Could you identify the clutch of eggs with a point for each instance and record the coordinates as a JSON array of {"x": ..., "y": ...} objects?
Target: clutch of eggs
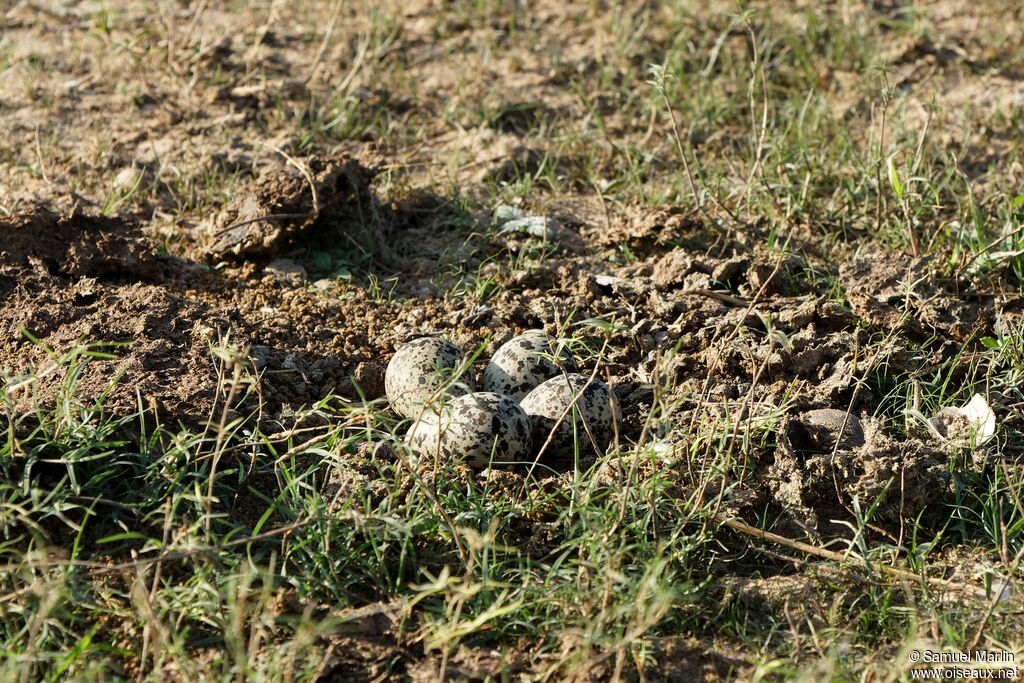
[{"x": 533, "y": 397}]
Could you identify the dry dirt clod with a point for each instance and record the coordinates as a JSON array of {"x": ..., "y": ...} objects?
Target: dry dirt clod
[
  {"x": 79, "y": 244},
  {"x": 282, "y": 203},
  {"x": 287, "y": 272},
  {"x": 369, "y": 376},
  {"x": 902, "y": 478},
  {"x": 819, "y": 430}
]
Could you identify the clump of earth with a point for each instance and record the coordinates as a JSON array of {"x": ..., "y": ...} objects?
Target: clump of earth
[{"x": 828, "y": 459}]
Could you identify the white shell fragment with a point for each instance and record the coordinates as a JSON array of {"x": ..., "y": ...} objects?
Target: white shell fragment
[
  {"x": 504, "y": 213},
  {"x": 606, "y": 280},
  {"x": 969, "y": 425},
  {"x": 482, "y": 428},
  {"x": 534, "y": 226},
  {"x": 513, "y": 220},
  {"x": 422, "y": 370}
]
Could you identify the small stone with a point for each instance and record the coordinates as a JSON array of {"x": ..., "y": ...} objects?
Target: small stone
[
  {"x": 287, "y": 272},
  {"x": 260, "y": 356},
  {"x": 370, "y": 378},
  {"x": 128, "y": 179}
]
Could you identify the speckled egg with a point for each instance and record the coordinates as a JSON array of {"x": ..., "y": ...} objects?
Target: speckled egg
[
  {"x": 524, "y": 363},
  {"x": 421, "y": 370},
  {"x": 595, "y": 414},
  {"x": 482, "y": 427}
]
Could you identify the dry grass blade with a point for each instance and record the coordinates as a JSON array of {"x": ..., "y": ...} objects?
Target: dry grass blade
[{"x": 843, "y": 559}]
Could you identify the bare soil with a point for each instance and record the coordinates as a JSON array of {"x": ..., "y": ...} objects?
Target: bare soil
[{"x": 776, "y": 344}]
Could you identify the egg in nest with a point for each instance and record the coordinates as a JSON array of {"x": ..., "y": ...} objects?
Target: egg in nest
[
  {"x": 524, "y": 363},
  {"x": 424, "y": 370},
  {"x": 590, "y": 423},
  {"x": 482, "y": 427}
]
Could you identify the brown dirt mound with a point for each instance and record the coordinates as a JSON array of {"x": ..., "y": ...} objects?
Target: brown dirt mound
[
  {"x": 282, "y": 203},
  {"x": 817, "y": 481},
  {"x": 64, "y": 284},
  {"x": 160, "y": 343},
  {"x": 743, "y": 324},
  {"x": 75, "y": 245},
  {"x": 84, "y": 278}
]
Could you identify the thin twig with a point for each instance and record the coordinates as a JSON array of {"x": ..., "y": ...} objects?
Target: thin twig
[
  {"x": 759, "y": 133},
  {"x": 988, "y": 248},
  {"x": 720, "y": 296},
  {"x": 324, "y": 43},
  {"x": 809, "y": 549},
  {"x": 697, "y": 196},
  {"x": 357, "y": 65}
]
